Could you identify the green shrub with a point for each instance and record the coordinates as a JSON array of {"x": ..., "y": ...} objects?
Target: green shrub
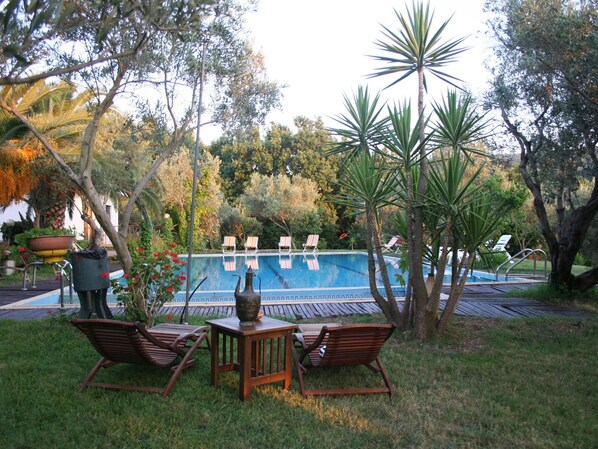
[
  {"x": 491, "y": 260},
  {"x": 581, "y": 260}
]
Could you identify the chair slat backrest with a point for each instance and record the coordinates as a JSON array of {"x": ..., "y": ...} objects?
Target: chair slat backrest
[
  {"x": 229, "y": 240},
  {"x": 251, "y": 242},
  {"x": 392, "y": 242},
  {"x": 122, "y": 342},
  {"x": 502, "y": 242},
  {"x": 285, "y": 242},
  {"x": 355, "y": 344},
  {"x": 312, "y": 240}
]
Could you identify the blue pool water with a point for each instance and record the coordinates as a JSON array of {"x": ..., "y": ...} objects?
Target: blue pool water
[{"x": 281, "y": 277}]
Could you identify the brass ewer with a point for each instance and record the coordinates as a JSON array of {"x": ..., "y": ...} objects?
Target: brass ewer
[{"x": 247, "y": 302}]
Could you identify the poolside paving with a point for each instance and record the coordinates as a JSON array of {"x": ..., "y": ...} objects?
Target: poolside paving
[{"x": 488, "y": 300}]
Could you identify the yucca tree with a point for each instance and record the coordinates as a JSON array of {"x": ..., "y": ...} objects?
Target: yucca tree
[
  {"x": 369, "y": 185},
  {"x": 449, "y": 218},
  {"x": 450, "y": 200},
  {"x": 399, "y": 142},
  {"x": 475, "y": 223},
  {"x": 416, "y": 47},
  {"x": 360, "y": 125}
]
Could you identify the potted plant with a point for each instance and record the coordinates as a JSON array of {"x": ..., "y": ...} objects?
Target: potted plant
[
  {"x": 50, "y": 244},
  {"x": 8, "y": 261},
  {"x": 13, "y": 256}
]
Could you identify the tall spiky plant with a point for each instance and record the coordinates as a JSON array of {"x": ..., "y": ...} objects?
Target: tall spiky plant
[
  {"x": 416, "y": 47},
  {"x": 367, "y": 185}
]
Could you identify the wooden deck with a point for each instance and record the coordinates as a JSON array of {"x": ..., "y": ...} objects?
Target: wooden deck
[{"x": 477, "y": 300}]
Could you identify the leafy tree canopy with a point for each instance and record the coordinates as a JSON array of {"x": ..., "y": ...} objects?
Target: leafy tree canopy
[
  {"x": 545, "y": 87},
  {"x": 280, "y": 152},
  {"x": 280, "y": 199}
]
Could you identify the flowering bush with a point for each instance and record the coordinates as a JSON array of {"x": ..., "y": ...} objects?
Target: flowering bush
[{"x": 153, "y": 281}]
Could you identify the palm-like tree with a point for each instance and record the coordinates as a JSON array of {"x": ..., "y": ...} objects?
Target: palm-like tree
[
  {"x": 367, "y": 186},
  {"x": 61, "y": 117},
  {"x": 416, "y": 47},
  {"x": 360, "y": 125}
]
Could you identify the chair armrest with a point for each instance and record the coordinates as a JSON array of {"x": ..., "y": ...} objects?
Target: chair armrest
[
  {"x": 315, "y": 344},
  {"x": 160, "y": 343},
  {"x": 188, "y": 336}
]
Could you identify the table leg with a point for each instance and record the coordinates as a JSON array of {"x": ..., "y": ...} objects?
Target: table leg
[
  {"x": 288, "y": 342},
  {"x": 244, "y": 368},
  {"x": 215, "y": 355}
]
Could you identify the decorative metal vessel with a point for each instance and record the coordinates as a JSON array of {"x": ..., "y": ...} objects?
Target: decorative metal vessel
[{"x": 247, "y": 302}]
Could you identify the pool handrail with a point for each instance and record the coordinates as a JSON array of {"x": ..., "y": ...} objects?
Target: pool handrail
[{"x": 527, "y": 252}]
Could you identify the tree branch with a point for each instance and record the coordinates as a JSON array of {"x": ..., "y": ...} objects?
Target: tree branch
[{"x": 10, "y": 80}]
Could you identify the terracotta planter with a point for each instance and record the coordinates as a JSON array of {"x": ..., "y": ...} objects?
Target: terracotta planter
[{"x": 52, "y": 248}]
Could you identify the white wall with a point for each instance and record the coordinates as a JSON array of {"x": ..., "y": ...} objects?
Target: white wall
[{"x": 12, "y": 213}]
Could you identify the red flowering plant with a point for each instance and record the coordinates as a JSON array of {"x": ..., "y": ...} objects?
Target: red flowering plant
[{"x": 153, "y": 281}]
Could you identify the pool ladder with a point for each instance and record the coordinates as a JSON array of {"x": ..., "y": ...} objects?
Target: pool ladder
[
  {"x": 62, "y": 268},
  {"x": 524, "y": 254}
]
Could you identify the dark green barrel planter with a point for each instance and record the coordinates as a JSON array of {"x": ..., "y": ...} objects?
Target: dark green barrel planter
[{"x": 90, "y": 281}]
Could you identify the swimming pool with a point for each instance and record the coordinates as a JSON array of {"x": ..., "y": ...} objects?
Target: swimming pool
[{"x": 281, "y": 277}]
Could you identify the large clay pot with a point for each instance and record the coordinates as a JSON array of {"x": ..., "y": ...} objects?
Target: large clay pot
[
  {"x": 248, "y": 301},
  {"x": 52, "y": 248}
]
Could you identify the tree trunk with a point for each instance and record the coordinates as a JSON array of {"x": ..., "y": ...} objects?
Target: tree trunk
[
  {"x": 565, "y": 244},
  {"x": 424, "y": 320},
  {"x": 391, "y": 301},
  {"x": 371, "y": 229},
  {"x": 457, "y": 286},
  {"x": 97, "y": 234},
  {"x": 54, "y": 215},
  {"x": 586, "y": 281}
]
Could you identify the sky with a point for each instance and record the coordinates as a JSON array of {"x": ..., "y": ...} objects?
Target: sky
[{"x": 319, "y": 49}]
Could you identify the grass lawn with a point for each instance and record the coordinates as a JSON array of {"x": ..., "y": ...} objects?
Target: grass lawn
[{"x": 525, "y": 383}]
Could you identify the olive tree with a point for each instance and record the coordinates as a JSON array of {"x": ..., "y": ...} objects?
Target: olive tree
[
  {"x": 121, "y": 48},
  {"x": 279, "y": 199},
  {"x": 544, "y": 86}
]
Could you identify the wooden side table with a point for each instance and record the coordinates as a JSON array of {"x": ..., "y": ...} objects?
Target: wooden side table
[{"x": 261, "y": 353}]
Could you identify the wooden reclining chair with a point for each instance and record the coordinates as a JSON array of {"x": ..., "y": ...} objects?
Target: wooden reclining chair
[
  {"x": 354, "y": 344},
  {"x": 165, "y": 346}
]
